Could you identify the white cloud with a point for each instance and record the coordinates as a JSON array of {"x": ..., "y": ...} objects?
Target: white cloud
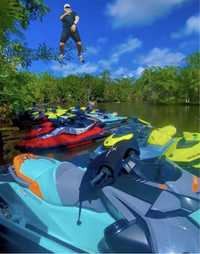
[
  {"x": 137, "y": 12},
  {"x": 73, "y": 68},
  {"x": 89, "y": 68},
  {"x": 92, "y": 50},
  {"x": 139, "y": 71},
  {"x": 129, "y": 46},
  {"x": 122, "y": 72},
  {"x": 192, "y": 26},
  {"x": 162, "y": 57}
]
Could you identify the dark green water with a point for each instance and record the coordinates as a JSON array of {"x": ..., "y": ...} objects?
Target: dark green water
[{"x": 184, "y": 118}]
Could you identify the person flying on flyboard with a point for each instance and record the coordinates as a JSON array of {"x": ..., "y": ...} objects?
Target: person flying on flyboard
[{"x": 70, "y": 20}]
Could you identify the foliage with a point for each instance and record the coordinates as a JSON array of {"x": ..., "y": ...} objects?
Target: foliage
[
  {"x": 156, "y": 85},
  {"x": 171, "y": 84},
  {"x": 15, "y": 16},
  {"x": 193, "y": 60},
  {"x": 20, "y": 89}
]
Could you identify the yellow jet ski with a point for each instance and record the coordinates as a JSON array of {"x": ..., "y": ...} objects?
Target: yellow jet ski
[
  {"x": 186, "y": 150},
  {"x": 59, "y": 112}
]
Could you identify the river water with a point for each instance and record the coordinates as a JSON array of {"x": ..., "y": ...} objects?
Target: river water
[{"x": 184, "y": 118}]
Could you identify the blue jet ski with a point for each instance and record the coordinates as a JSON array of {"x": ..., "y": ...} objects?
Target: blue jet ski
[
  {"x": 109, "y": 119},
  {"x": 115, "y": 205}
]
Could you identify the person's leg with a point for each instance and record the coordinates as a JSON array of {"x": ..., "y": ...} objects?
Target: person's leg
[
  {"x": 80, "y": 51},
  {"x": 76, "y": 37},
  {"x": 62, "y": 48},
  {"x": 64, "y": 37},
  {"x": 79, "y": 47}
]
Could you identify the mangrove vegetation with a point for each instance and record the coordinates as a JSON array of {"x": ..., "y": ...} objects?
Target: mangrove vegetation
[{"x": 19, "y": 89}]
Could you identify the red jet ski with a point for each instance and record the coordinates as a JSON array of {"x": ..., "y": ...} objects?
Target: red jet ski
[
  {"x": 76, "y": 132},
  {"x": 42, "y": 129}
]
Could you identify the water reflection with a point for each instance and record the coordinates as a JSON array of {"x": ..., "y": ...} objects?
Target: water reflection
[{"x": 184, "y": 118}]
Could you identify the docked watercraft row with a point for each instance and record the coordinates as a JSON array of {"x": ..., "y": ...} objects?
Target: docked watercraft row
[
  {"x": 76, "y": 131},
  {"x": 59, "y": 115},
  {"x": 80, "y": 130},
  {"x": 140, "y": 181}
]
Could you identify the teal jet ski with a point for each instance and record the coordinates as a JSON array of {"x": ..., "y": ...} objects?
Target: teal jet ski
[
  {"x": 109, "y": 119},
  {"x": 60, "y": 207}
]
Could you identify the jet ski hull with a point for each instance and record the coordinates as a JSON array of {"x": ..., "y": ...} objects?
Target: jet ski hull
[{"x": 64, "y": 140}]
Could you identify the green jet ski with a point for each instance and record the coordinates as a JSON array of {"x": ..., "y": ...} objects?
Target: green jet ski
[{"x": 112, "y": 206}]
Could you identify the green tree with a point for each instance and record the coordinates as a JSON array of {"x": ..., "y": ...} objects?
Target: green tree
[
  {"x": 190, "y": 80},
  {"x": 193, "y": 60}
]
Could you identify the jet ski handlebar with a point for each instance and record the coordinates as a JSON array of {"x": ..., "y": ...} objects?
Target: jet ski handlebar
[{"x": 104, "y": 177}]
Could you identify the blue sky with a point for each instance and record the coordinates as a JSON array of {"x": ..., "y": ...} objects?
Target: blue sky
[{"x": 122, "y": 36}]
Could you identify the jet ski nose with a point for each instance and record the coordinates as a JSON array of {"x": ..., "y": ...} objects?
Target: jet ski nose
[
  {"x": 19, "y": 160},
  {"x": 17, "y": 166}
]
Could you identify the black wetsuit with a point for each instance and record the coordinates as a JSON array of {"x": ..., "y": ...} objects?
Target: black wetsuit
[{"x": 68, "y": 21}]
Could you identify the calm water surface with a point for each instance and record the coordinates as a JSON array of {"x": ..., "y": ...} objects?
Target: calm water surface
[{"x": 184, "y": 118}]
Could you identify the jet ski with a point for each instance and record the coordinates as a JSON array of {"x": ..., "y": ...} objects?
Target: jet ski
[
  {"x": 107, "y": 118},
  {"x": 54, "y": 115},
  {"x": 112, "y": 206},
  {"x": 152, "y": 142},
  {"x": 186, "y": 151},
  {"x": 40, "y": 130},
  {"x": 51, "y": 126},
  {"x": 76, "y": 132}
]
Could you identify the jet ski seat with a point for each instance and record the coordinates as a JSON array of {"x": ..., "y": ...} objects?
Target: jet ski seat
[
  {"x": 162, "y": 136},
  {"x": 68, "y": 179},
  {"x": 68, "y": 182},
  {"x": 57, "y": 183}
]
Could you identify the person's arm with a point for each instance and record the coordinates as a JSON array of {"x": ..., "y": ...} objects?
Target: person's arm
[
  {"x": 62, "y": 16},
  {"x": 76, "y": 20}
]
